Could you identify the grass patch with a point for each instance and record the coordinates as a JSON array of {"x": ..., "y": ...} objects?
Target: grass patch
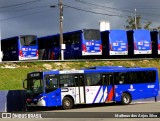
[{"x": 11, "y": 78}]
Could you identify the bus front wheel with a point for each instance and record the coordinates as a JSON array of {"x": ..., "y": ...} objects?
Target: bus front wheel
[
  {"x": 126, "y": 99},
  {"x": 67, "y": 103}
]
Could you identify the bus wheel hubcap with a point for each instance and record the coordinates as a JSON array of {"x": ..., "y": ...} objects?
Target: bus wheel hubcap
[
  {"x": 67, "y": 103},
  {"x": 126, "y": 99}
]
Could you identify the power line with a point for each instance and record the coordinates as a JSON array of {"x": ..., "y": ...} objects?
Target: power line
[
  {"x": 102, "y": 6},
  {"x": 107, "y": 14},
  {"x": 118, "y": 9},
  {"x": 92, "y": 4},
  {"x": 98, "y": 7},
  {"x": 19, "y": 10},
  {"x": 89, "y": 11},
  {"x": 18, "y": 4},
  {"x": 84, "y": 2},
  {"x": 23, "y": 15}
]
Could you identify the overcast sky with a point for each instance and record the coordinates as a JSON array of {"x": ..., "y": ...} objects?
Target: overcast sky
[{"x": 21, "y": 17}]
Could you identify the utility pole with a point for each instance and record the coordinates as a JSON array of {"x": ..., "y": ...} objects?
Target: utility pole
[
  {"x": 1, "y": 54},
  {"x": 61, "y": 29},
  {"x": 135, "y": 19}
]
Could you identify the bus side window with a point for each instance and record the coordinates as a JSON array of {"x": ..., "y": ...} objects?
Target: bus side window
[
  {"x": 116, "y": 78},
  {"x": 127, "y": 78},
  {"x": 76, "y": 80},
  {"x": 75, "y": 38},
  {"x": 151, "y": 76},
  {"x": 121, "y": 79},
  {"x": 104, "y": 79},
  {"x": 81, "y": 80},
  {"x": 66, "y": 80},
  {"x": 88, "y": 80},
  {"x": 142, "y": 77}
]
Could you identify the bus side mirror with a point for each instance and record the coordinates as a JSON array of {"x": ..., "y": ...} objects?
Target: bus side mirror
[{"x": 25, "y": 84}]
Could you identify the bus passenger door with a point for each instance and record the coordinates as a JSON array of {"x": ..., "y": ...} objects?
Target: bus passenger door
[
  {"x": 108, "y": 87},
  {"x": 79, "y": 89}
]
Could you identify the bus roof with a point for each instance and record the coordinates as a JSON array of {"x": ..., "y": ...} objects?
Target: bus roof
[
  {"x": 118, "y": 68},
  {"x": 17, "y": 37},
  {"x": 104, "y": 67},
  {"x": 70, "y": 32},
  {"x": 96, "y": 69},
  {"x": 48, "y": 36},
  {"x": 81, "y": 30}
]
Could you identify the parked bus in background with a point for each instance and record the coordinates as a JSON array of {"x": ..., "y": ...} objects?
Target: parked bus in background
[
  {"x": 84, "y": 43},
  {"x": 114, "y": 43},
  {"x": 155, "y": 37},
  {"x": 24, "y": 47},
  {"x": 140, "y": 44},
  {"x": 104, "y": 84},
  {"x": 79, "y": 44},
  {"x": 49, "y": 47},
  {"x": 159, "y": 43}
]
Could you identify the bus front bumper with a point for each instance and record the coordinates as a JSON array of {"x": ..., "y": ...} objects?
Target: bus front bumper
[{"x": 37, "y": 103}]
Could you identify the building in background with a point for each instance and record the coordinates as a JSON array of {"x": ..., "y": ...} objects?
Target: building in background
[{"x": 104, "y": 25}]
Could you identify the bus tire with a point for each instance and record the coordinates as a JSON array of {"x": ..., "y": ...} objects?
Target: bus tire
[
  {"x": 126, "y": 99},
  {"x": 67, "y": 103}
]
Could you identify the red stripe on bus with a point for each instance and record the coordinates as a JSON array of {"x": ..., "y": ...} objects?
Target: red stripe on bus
[{"x": 110, "y": 95}]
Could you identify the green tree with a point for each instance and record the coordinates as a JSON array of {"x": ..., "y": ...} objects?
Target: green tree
[{"x": 131, "y": 23}]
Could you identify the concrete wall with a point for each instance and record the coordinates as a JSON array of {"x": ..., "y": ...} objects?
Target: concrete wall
[
  {"x": 12, "y": 100},
  {"x": 3, "y": 95}
]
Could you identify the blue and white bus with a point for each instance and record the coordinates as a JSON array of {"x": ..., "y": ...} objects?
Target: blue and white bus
[
  {"x": 155, "y": 37},
  {"x": 49, "y": 47},
  {"x": 142, "y": 42},
  {"x": 116, "y": 42},
  {"x": 24, "y": 47},
  {"x": 67, "y": 88},
  {"x": 159, "y": 43},
  {"x": 86, "y": 42}
]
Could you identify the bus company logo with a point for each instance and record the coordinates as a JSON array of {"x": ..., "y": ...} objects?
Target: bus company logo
[
  {"x": 24, "y": 49},
  {"x": 34, "y": 49},
  {"x": 115, "y": 44},
  {"x": 140, "y": 43},
  {"x": 150, "y": 86},
  {"x": 123, "y": 44},
  {"x": 88, "y": 43},
  {"x": 131, "y": 88},
  {"x": 147, "y": 45},
  {"x": 97, "y": 44},
  {"x": 146, "y": 42}
]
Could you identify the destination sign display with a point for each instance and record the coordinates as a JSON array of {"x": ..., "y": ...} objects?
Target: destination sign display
[{"x": 34, "y": 75}]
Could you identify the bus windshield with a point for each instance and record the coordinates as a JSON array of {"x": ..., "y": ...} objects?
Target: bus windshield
[
  {"x": 34, "y": 85},
  {"x": 28, "y": 40},
  {"x": 90, "y": 34}
]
